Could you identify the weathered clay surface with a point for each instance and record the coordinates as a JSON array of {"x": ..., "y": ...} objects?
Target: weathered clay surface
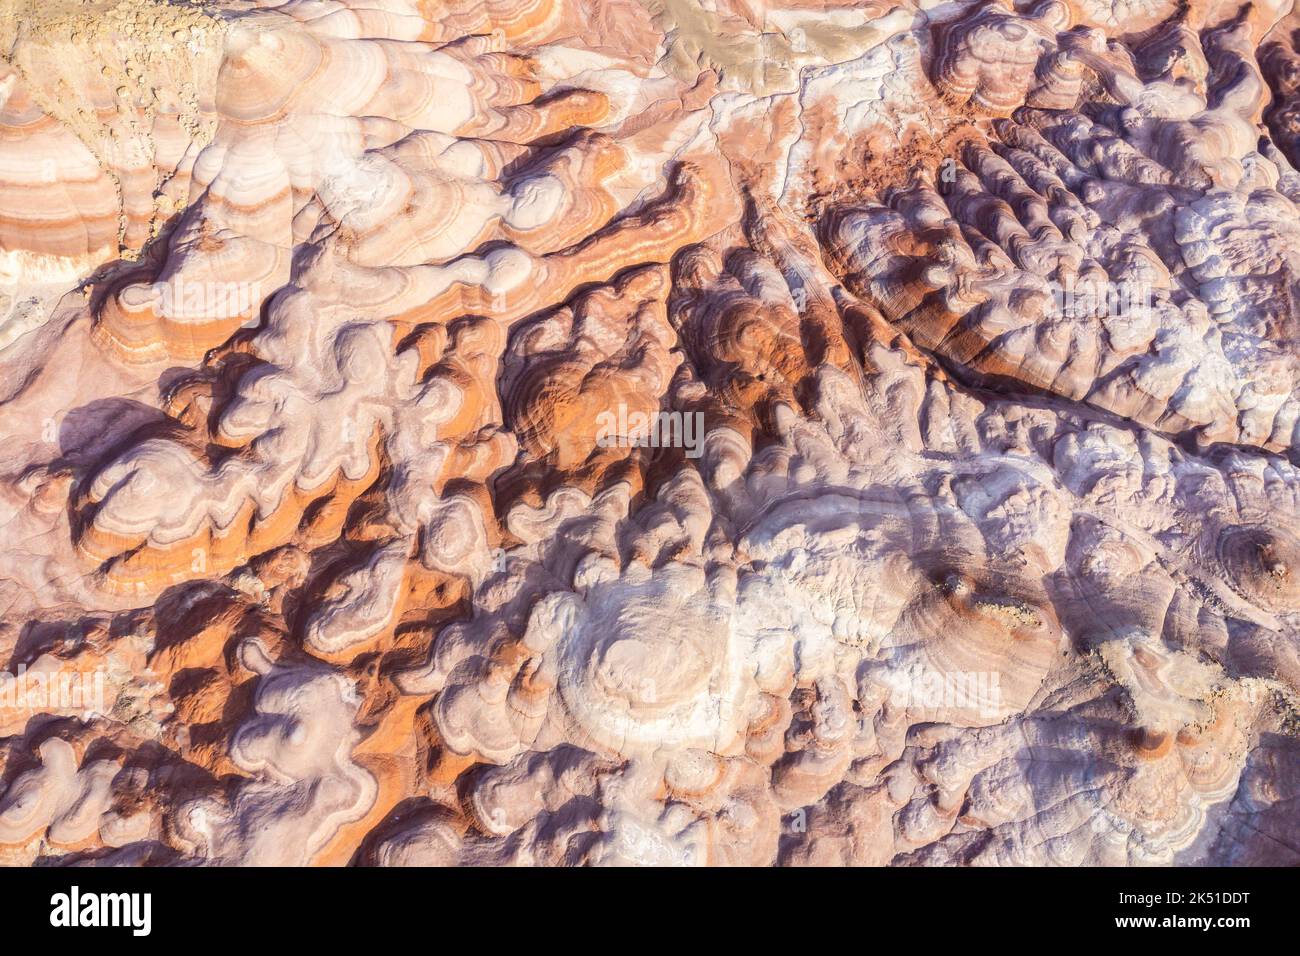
[{"x": 650, "y": 432}]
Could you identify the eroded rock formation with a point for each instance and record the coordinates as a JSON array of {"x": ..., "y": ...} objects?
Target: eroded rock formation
[{"x": 649, "y": 432}]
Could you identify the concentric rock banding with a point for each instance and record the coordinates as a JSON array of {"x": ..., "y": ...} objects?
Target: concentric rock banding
[{"x": 542, "y": 433}]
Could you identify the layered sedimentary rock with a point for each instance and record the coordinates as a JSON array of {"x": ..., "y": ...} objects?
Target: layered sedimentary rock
[{"x": 649, "y": 433}]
